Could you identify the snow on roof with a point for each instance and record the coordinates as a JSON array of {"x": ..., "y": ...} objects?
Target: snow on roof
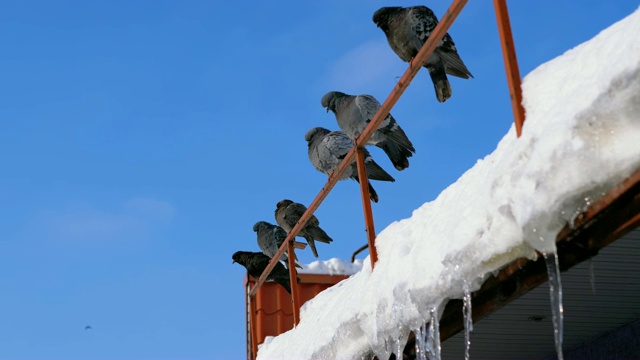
[
  {"x": 332, "y": 266},
  {"x": 581, "y": 137}
]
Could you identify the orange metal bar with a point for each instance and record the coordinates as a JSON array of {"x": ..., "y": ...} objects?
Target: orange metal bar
[
  {"x": 366, "y": 205},
  {"x": 316, "y": 279},
  {"x": 414, "y": 66},
  {"x": 510, "y": 63},
  {"x": 252, "y": 325},
  {"x": 293, "y": 275}
]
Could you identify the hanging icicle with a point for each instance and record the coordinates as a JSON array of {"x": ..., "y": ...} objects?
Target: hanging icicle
[
  {"x": 434, "y": 334},
  {"x": 555, "y": 292},
  {"x": 468, "y": 320}
]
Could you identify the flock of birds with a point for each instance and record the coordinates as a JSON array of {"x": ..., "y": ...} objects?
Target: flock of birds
[{"x": 406, "y": 30}]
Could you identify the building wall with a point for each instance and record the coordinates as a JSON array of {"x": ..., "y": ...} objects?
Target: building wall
[{"x": 623, "y": 343}]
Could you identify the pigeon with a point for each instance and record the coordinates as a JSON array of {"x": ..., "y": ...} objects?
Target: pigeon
[
  {"x": 270, "y": 238},
  {"x": 328, "y": 148},
  {"x": 407, "y": 29},
  {"x": 354, "y": 114},
  {"x": 256, "y": 262},
  {"x": 287, "y": 215}
]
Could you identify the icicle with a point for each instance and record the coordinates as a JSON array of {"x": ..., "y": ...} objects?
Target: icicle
[
  {"x": 434, "y": 334},
  {"x": 428, "y": 341},
  {"x": 386, "y": 352},
  {"x": 421, "y": 351},
  {"x": 555, "y": 292},
  {"x": 468, "y": 320},
  {"x": 399, "y": 349},
  {"x": 592, "y": 276}
]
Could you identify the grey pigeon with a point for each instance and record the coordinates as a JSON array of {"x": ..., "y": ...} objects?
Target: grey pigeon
[
  {"x": 328, "y": 148},
  {"x": 270, "y": 238},
  {"x": 256, "y": 262},
  {"x": 354, "y": 113},
  {"x": 407, "y": 29},
  {"x": 287, "y": 215}
]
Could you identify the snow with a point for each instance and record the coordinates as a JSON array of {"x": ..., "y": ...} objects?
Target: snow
[
  {"x": 332, "y": 266},
  {"x": 581, "y": 138}
]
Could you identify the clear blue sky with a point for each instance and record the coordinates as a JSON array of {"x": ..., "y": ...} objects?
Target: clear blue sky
[{"x": 141, "y": 140}]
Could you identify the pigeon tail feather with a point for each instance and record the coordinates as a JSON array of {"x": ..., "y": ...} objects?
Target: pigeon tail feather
[
  {"x": 398, "y": 158},
  {"x": 285, "y": 284},
  {"x": 373, "y": 194},
  {"x": 312, "y": 245},
  {"x": 399, "y": 137},
  {"x": 375, "y": 172},
  {"x": 297, "y": 263},
  {"x": 318, "y": 234},
  {"x": 440, "y": 82}
]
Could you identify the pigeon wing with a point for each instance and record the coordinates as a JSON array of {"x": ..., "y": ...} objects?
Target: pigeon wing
[
  {"x": 421, "y": 21},
  {"x": 374, "y": 171},
  {"x": 332, "y": 150},
  {"x": 368, "y": 106},
  {"x": 452, "y": 61},
  {"x": 279, "y": 236},
  {"x": 297, "y": 210}
]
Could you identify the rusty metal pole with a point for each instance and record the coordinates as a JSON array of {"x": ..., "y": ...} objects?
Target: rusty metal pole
[
  {"x": 414, "y": 66},
  {"x": 253, "y": 327},
  {"x": 293, "y": 277},
  {"x": 510, "y": 63},
  {"x": 366, "y": 205},
  {"x": 360, "y": 249}
]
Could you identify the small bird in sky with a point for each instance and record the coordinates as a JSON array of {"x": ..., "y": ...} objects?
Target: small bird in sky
[
  {"x": 287, "y": 215},
  {"x": 256, "y": 262},
  {"x": 355, "y": 112},
  {"x": 407, "y": 29},
  {"x": 88, "y": 327},
  {"x": 328, "y": 148}
]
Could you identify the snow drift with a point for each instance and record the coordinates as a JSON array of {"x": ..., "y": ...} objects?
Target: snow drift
[{"x": 581, "y": 137}]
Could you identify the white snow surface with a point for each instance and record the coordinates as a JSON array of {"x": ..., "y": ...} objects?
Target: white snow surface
[
  {"x": 332, "y": 266},
  {"x": 581, "y": 137}
]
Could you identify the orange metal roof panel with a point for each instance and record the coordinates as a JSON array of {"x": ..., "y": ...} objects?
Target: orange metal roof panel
[{"x": 271, "y": 310}]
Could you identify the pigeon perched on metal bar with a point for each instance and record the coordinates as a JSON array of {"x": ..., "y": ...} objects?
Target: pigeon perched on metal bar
[
  {"x": 287, "y": 215},
  {"x": 354, "y": 113},
  {"x": 256, "y": 262},
  {"x": 407, "y": 29},
  {"x": 270, "y": 238},
  {"x": 328, "y": 148}
]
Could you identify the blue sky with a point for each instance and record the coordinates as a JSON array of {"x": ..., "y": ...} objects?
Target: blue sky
[{"x": 141, "y": 140}]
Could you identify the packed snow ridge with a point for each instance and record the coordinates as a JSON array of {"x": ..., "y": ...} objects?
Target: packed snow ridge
[
  {"x": 332, "y": 266},
  {"x": 581, "y": 138}
]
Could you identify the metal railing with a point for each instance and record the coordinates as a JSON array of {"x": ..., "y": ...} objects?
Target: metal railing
[{"x": 513, "y": 80}]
